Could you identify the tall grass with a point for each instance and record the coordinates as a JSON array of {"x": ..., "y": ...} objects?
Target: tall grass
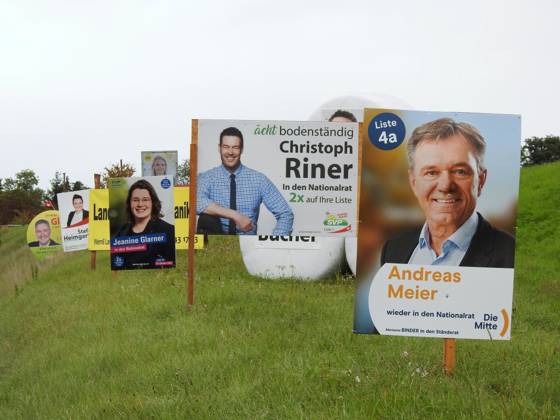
[
  {"x": 17, "y": 263},
  {"x": 82, "y": 344}
]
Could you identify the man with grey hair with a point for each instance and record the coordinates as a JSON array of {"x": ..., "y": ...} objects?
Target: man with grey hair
[{"x": 447, "y": 175}]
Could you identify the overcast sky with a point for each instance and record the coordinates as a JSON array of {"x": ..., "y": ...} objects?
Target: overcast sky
[{"x": 84, "y": 84}]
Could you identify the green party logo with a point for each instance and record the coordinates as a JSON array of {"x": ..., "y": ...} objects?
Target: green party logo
[{"x": 336, "y": 223}]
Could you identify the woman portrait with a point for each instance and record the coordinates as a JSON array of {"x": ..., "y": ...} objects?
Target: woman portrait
[
  {"x": 153, "y": 239},
  {"x": 79, "y": 216},
  {"x": 159, "y": 166}
]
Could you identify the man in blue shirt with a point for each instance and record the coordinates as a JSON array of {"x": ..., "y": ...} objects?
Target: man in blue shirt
[
  {"x": 229, "y": 196},
  {"x": 447, "y": 174}
]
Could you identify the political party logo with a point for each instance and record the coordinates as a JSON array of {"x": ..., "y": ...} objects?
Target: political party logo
[
  {"x": 118, "y": 261},
  {"x": 386, "y": 131},
  {"x": 336, "y": 223},
  {"x": 165, "y": 183}
]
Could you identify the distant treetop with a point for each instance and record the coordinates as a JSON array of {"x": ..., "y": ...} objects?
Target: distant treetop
[
  {"x": 117, "y": 170},
  {"x": 537, "y": 150}
]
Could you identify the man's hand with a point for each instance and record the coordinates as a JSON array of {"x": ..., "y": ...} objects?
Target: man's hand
[{"x": 243, "y": 222}]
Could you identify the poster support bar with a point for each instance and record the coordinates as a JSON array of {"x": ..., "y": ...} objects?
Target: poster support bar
[
  {"x": 93, "y": 254},
  {"x": 449, "y": 356},
  {"x": 361, "y": 137},
  {"x": 192, "y": 211}
]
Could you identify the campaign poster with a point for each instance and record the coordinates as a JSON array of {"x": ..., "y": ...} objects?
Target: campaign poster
[
  {"x": 141, "y": 222},
  {"x": 43, "y": 234},
  {"x": 181, "y": 213},
  {"x": 277, "y": 178},
  {"x": 164, "y": 162},
  {"x": 436, "y": 241},
  {"x": 74, "y": 216},
  {"x": 98, "y": 237},
  {"x": 336, "y": 115},
  {"x": 99, "y": 220}
]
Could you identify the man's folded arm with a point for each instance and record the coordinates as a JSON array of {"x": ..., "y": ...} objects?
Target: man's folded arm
[
  {"x": 204, "y": 204},
  {"x": 278, "y": 206},
  {"x": 244, "y": 223}
]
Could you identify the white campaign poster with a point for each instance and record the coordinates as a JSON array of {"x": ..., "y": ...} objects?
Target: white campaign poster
[
  {"x": 74, "y": 219},
  {"x": 155, "y": 163},
  {"x": 442, "y": 301},
  {"x": 438, "y": 207},
  {"x": 313, "y": 166}
]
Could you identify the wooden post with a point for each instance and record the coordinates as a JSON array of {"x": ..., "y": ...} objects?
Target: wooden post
[
  {"x": 93, "y": 255},
  {"x": 449, "y": 356},
  {"x": 192, "y": 212}
]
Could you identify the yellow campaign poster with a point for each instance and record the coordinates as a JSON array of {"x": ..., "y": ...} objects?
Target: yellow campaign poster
[
  {"x": 98, "y": 237},
  {"x": 181, "y": 197},
  {"x": 43, "y": 234},
  {"x": 99, "y": 220}
]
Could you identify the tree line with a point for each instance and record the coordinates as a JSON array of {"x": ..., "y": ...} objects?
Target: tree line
[{"x": 537, "y": 150}]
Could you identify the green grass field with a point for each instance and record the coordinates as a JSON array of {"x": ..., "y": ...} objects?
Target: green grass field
[{"x": 82, "y": 344}]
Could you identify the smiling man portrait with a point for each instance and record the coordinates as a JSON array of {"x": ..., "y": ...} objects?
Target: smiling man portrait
[
  {"x": 229, "y": 196},
  {"x": 447, "y": 175},
  {"x": 43, "y": 234}
]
